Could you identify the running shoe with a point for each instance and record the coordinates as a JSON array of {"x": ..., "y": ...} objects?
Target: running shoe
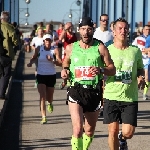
[
  {"x": 50, "y": 107},
  {"x": 62, "y": 85},
  {"x": 145, "y": 97},
  {"x": 122, "y": 142},
  {"x": 35, "y": 85},
  {"x": 44, "y": 120}
]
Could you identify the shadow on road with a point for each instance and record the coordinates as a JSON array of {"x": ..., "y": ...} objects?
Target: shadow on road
[{"x": 10, "y": 129}]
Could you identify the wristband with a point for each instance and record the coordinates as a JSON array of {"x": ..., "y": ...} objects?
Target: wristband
[{"x": 67, "y": 68}]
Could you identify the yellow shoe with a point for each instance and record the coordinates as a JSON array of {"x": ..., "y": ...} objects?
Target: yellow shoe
[
  {"x": 44, "y": 120},
  {"x": 50, "y": 108}
]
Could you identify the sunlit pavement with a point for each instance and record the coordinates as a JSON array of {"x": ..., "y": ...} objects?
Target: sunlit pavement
[{"x": 56, "y": 134}]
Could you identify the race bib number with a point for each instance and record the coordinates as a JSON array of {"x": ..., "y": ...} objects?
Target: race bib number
[
  {"x": 123, "y": 77},
  {"x": 82, "y": 73}
]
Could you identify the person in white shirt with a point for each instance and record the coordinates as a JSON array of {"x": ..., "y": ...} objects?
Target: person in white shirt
[
  {"x": 47, "y": 57},
  {"x": 102, "y": 33},
  {"x": 140, "y": 41},
  {"x": 37, "y": 41}
]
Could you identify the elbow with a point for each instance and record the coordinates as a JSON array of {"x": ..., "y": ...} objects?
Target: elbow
[{"x": 113, "y": 72}]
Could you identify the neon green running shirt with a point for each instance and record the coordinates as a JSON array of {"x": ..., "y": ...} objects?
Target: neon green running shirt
[
  {"x": 123, "y": 86},
  {"x": 81, "y": 61}
]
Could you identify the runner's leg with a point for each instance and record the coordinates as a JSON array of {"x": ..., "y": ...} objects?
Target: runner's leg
[{"x": 89, "y": 128}]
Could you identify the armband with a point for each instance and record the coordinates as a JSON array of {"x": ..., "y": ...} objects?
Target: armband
[{"x": 67, "y": 68}]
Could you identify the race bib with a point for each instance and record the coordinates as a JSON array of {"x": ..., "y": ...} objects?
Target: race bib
[
  {"x": 82, "y": 73},
  {"x": 123, "y": 77}
]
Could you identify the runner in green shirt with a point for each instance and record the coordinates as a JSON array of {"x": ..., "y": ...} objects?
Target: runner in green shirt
[
  {"x": 84, "y": 65},
  {"x": 121, "y": 90}
]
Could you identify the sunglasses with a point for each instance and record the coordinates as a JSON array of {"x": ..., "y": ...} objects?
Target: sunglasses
[{"x": 104, "y": 20}]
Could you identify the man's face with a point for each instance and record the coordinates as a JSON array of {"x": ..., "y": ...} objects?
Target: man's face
[
  {"x": 86, "y": 34},
  {"x": 121, "y": 31},
  {"x": 104, "y": 21},
  {"x": 146, "y": 30}
]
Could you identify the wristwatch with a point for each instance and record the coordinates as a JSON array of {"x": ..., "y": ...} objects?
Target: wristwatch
[
  {"x": 102, "y": 70},
  {"x": 66, "y": 68}
]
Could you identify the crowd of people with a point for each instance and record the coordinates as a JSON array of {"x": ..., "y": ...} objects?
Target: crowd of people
[{"x": 104, "y": 71}]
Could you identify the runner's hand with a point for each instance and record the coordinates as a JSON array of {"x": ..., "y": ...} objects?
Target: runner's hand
[
  {"x": 65, "y": 74},
  {"x": 67, "y": 26},
  {"x": 94, "y": 71},
  {"x": 141, "y": 83},
  {"x": 29, "y": 65},
  {"x": 49, "y": 58}
]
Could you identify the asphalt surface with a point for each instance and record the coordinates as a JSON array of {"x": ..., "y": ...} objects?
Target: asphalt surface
[{"x": 21, "y": 128}]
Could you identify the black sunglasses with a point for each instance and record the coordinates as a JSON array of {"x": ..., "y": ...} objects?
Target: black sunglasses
[{"x": 104, "y": 20}]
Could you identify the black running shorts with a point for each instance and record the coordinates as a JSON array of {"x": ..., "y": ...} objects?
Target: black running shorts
[
  {"x": 48, "y": 80},
  {"x": 115, "y": 111},
  {"x": 88, "y": 99}
]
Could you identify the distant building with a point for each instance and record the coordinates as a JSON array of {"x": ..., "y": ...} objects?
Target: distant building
[{"x": 134, "y": 11}]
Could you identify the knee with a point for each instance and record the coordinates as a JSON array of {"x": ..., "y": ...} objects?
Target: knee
[
  {"x": 113, "y": 132},
  {"x": 127, "y": 134},
  {"x": 89, "y": 131},
  {"x": 77, "y": 131}
]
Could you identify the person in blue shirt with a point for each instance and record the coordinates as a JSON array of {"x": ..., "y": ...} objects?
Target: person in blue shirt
[{"x": 147, "y": 50}]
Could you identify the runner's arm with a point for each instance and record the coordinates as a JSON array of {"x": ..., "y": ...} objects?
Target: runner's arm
[
  {"x": 67, "y": 61},
  {"x": 63, "y": 35},
  {"x": 33, "y": 44},
  {"x": 57, "y": 61},
  {"x": 35, "y": 55},
  {"x": 110, "y": 69},
  {"x": 140, "y": 66}
]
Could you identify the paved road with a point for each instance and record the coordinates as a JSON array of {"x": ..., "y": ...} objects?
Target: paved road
[{"x": 22, "y": 130}]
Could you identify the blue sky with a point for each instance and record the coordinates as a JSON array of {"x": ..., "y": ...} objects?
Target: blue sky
[{"x": 57, "y": 10}]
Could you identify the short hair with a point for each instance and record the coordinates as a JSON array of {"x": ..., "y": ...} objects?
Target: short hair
[
  {"x": 121, "y": 20},
  {"x": 103, "y": 15},
  {"x": 39, "y": 28},
  {"x": 146, "y": 26},
  {"x": 5, "y": 15}
]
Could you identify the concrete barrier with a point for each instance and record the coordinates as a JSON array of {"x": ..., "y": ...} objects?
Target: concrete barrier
[{"x": 3, "y": 103}]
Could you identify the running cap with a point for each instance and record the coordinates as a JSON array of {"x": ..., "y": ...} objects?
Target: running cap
[
  {"x": 47, "y": 36},
  {"x": 86, "y": 21}
]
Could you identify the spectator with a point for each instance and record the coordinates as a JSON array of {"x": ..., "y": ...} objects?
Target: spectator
[
  {"x": 18, "y": 35},
  {"x": 10, "y": 40},
  {"x": 102, "y": 33}
]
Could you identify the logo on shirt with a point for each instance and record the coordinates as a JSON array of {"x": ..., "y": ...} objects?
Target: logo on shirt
[
  {"x": 76, "y": 59},
  {"x": 140, "y": 42}
]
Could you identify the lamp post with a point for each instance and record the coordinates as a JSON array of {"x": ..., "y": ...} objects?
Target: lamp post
[
  {"x": 24, "y": 19},
  {"x": 71, "y": 14},
  {"x": 78, "y": 2},
  {"x": 27, "y": 11},
  {"x": 67, "y": 13}
]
